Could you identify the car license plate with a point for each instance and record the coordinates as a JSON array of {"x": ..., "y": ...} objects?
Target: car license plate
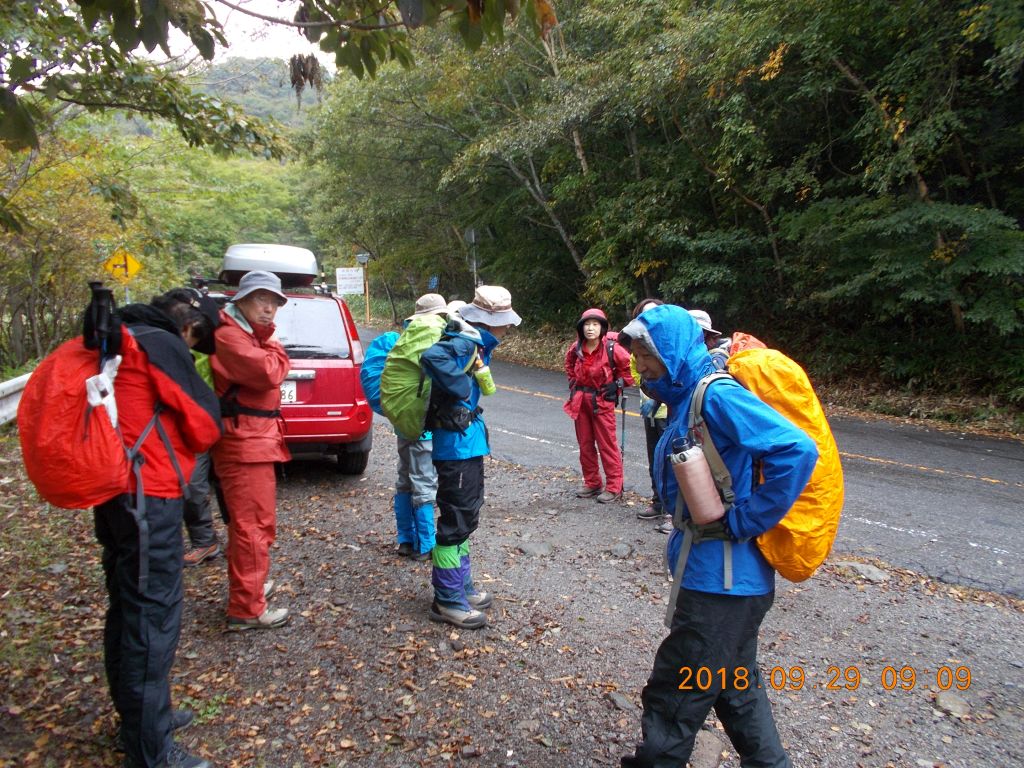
[{"x": 288, "y": 392}]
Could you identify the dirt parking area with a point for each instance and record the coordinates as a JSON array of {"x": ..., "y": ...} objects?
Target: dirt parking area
[{"x": 360, "y": 677}]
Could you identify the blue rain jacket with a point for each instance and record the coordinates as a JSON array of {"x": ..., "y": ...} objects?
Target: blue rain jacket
[
  {"x": 745, "y": 430},
  {"x": 445, "y": 363}
]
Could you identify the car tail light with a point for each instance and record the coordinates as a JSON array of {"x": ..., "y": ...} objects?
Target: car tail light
[{"x": 353, "y": 335}]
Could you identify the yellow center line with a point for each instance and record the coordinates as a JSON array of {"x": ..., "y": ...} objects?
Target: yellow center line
[
  {"x": 873, "y": 459},
  {"x": 933, "y": 470}
]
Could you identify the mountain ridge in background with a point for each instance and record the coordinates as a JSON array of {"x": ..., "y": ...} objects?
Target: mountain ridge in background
[{"x": 260, "y": 86}]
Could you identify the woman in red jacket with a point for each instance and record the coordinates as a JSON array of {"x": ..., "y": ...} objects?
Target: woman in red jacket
[
  {"x": 597, "y": 369},
  {"x": 248, "y": 369}
]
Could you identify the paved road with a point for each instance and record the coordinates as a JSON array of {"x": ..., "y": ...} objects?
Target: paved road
[{"x": 941, "y": 504}]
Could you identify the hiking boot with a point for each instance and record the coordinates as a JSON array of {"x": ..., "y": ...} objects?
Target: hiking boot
[
  {"x": 179, "y": 758},
  {"x": 665, "y": 526},
  {"x": 404, "y": 549},
  {"x": 269, "y": 587},
  {"x": 650, "y": 513},
  {"x": 481, "y": 601},
  {"x": 180, "y": 718},
  {"x": 471, "y": 619},
  {"x": 586, "y": 492},
  {"x": 607, "y": 497},
  {"x": 272, "y": 618},
  {"x": 176, "y": 758},
  {"x": 197, "y": 555},
  {"x": 420, "y": 557}
]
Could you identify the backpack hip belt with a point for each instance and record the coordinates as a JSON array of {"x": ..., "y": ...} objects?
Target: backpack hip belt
[
  {"x": 696, "y": 534},
  {"x": 592, "y": 391}
]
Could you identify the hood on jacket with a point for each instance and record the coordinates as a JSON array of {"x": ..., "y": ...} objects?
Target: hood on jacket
[
  {"x": 671, "y": 333},
  {"x": 146, "y": 314},
  {"x": 459, "y": 327},
  {"x": 591, "y": 314}
]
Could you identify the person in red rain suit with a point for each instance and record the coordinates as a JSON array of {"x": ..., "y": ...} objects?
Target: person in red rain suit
[
  {"x": 248, "y": 369},
  {"x": 597, "y": 369}
]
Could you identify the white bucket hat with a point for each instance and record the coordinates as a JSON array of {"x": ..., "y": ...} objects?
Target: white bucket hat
[
  {"x": 430, "y": 304},
  {"x": 492, "y": 305},
  {"x": 703, "y": 320}
]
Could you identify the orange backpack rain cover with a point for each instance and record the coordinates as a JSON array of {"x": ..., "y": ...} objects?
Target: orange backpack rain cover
[
  {"x": 803, "y": 538},
  {"x": 72, "y": 453}
]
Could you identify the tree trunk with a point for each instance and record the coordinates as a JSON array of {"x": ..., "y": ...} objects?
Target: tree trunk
[
  {"x": 533, "y": 186},
  {"x": 574, "y": 133}
]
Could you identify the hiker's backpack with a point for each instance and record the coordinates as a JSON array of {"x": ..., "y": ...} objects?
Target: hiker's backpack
[
  {"x": 404, "y": 388},
  {"x": 373, "y": 364},
  {"x": 803, "y": 538},
  {"x": 72, "y": 453}
]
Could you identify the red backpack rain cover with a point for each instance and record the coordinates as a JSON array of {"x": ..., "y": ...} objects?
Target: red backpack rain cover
[{"x": 72, "y": 453}]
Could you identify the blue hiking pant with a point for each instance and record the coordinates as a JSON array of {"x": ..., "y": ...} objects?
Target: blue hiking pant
[
  {"x": 415, "y": 490},
  {"x": 416, "y": 473}
]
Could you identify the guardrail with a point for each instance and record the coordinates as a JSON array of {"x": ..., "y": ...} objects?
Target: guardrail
[{"x": 10, "y": 394}]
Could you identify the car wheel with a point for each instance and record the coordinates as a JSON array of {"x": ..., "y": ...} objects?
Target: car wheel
[{"x": 353, "y": 463}]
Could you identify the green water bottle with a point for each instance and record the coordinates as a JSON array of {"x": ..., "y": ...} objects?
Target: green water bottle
[{"x": 484, "y": 378}]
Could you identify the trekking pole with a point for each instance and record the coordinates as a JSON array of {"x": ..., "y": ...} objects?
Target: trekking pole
[{"x": 622, "y": 445}]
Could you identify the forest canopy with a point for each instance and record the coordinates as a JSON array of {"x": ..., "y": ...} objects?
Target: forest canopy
[{"x": 842, "y": 179}]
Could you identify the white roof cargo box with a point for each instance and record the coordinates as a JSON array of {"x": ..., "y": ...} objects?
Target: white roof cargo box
[{"x": 295, "y": 266}]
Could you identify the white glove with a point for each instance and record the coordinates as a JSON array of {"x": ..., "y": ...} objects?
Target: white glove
[
  {"x": 99, "y": 389},
  {"x": 111, "y": 365}
]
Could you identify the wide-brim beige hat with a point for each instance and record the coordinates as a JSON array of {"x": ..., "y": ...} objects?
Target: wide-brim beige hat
[{"x": 492, "y": 305}]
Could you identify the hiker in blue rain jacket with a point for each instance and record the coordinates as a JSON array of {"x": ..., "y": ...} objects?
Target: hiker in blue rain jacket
[
  {"x": 718, "y": 612},
  {"x": 460, "y": 444},
  {"x": 416, "y": 480}
]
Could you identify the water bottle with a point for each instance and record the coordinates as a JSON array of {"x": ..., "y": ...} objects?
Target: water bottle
[
  {"x": 484, "y": 378},
  {"x": 697, "y": 485}
]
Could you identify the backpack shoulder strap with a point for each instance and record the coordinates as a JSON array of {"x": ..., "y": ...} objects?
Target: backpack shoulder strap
[
  {"x": 699, "y": 432},
  {"x": 135, "y": 459},
  {"x": 609, "y": 347}
]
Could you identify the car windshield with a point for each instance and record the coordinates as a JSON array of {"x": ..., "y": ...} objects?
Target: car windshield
[{"x": 312, "y": 328}]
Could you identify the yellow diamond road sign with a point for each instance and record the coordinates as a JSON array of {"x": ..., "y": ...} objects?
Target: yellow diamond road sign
[{"x": 122, "y": 265}]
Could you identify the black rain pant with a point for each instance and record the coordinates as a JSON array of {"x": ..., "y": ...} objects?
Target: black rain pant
[
  {"x": 141, "y": 633},
  {"x": 460, "y": 494},
  {"x": 709, "y": 632},
  {"x": 653, "y": 430}
]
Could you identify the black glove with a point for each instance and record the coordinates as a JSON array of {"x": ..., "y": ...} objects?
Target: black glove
[{"x": 610, "y": 391}]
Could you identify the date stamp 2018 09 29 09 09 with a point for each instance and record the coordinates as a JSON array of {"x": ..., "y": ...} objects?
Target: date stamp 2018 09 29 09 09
[{"x": 836, "y": 678}]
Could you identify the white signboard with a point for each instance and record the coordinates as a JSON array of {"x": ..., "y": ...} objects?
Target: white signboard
[{"x": 350, "y": 280}]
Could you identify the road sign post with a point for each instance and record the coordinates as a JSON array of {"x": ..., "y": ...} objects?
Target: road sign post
[
  {"x": 349, "y": 279},
  {"x": 122, "y": 266}
]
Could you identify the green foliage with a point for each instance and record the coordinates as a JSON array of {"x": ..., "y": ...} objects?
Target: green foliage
[
  {"x": 82, "y": 55},
  {"x": 206, "y": 711},
  {"x": 89, "y": 190}
]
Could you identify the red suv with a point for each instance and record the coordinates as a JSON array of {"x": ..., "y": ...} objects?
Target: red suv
[{"x": 322, "y": 402}]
